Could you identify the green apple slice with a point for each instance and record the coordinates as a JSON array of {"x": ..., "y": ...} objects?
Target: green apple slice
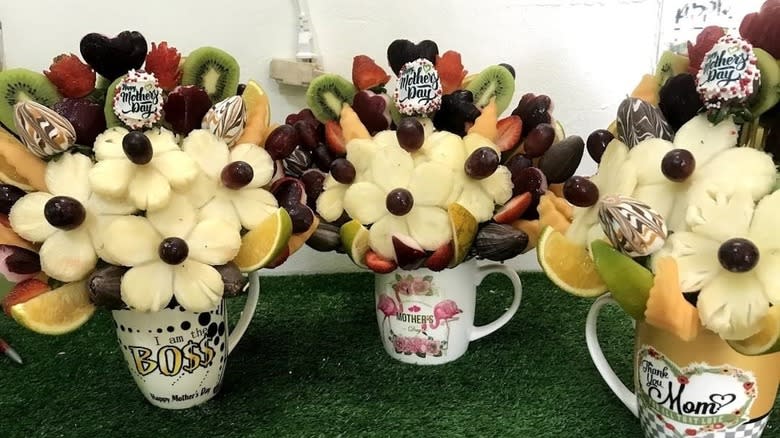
[{"x": 628, "y": 281}]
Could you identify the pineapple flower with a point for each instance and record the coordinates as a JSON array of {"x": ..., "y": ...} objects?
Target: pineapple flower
[
  {"x": 636, "y": 173},
  {"x": 142, "y": 168},
  {"x": 400, "y": 197},
  {"x": 229, "y": 186},
  {"x": 360, "y": 152},
  {"x": 732, "y": 255},
  {"x": 67, "y": 219},
  {"x": 170, "y": 253},
  {"x": 478, "y": 196}
]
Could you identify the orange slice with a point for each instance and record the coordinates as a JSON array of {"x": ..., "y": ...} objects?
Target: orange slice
[{"x": 568, "y": 265}]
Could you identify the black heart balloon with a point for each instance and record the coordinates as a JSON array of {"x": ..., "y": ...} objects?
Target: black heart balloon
[
  {"x": 399, "y": 52},
  {"x": 113, "y": 57}
]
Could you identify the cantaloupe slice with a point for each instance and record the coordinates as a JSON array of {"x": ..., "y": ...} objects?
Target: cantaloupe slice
[
  {"x": 486, "y": 123},
  {"x": 557, "y": 189},
  {"x": 351, "y": 125},
  {"x": 258, "y": 114},
  {"x": 531, "y": 228},
  {"x": 667, "y": 309},
  {"x": 647, "y": 90},
  {"x": 9, "y": 237},
  {"x": 554, "y": 212}
]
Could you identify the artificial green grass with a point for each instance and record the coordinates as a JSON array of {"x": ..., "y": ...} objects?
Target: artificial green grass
[{"x": 312, "y": 364}]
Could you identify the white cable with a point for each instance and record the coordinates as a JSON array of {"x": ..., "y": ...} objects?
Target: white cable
[
  {"x": 305, "y": 51},
  {"x": 2, "y": 49}
]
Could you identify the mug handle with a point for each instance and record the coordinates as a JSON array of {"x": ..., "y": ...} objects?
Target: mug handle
[
  {"x": 247, "y": 313},
  {"x": 597, "y": 355},
  {"x": 484, "y": 271}
]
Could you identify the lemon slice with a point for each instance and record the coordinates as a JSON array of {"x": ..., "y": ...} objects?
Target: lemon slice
[
  {"x": 263, "y": 244},
  {"x": 766, "y": 341},
  {"x": 464, "y": 229},
  {"x": 354, "y": 237},
  {"x": 56, "y": 312},
  {"x": 568, "y": 265}
]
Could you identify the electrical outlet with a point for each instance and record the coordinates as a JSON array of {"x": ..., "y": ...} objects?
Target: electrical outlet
[{"x": 292, "y": 72}]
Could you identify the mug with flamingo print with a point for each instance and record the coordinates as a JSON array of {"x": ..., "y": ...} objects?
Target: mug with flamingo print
[{"x": 427, "y": 317}]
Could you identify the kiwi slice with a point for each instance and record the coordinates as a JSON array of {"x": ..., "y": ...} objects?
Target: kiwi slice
[
  {"x": 212, "y": 69},
  {"x": 670, "y": 65},
  {"x": 494, "y": 81},
  {"x": 108, "y": 107},
  {"x": 769, "y": 93},
  {"x": 20, "y": 84},
  {"x": 98, "y": 95},
  {"x": 395, "y": 115},
  {"x": 327, "y": 94}
]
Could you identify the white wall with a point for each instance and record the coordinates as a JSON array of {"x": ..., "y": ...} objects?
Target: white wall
[{"x": 587, "y": 55}]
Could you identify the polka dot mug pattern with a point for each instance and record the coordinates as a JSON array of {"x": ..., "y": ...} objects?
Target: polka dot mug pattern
[{"x": 177, "y": 357}]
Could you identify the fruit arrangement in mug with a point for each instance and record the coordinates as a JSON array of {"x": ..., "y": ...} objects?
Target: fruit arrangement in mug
[
  {"x": 138, "y": 179},
  {"x": 678, "y": 221},
  {"x": 424, "y": 172}
]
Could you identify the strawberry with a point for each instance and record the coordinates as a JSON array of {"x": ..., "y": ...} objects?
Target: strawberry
[
  {"x": 72, "y": 77},
  {"x": 18, "y": 264},
  {"x": 379, "y": 264},
  {"x": 451, "y": 72},
  {"x": 761, "y": 30},
  {"x": 366, "y": 74},
  {"x": 163, "y": 61},
  {"x": 334, "y": 137},
  {"x": 509, "y": 130},
  {"x": 704, "y": 42},
  {"x": 513, "y": 209},
  {"x": 280, "y": 259},
  {"x": 441, "y": 258},
  {"x": 23, "y": 292}
]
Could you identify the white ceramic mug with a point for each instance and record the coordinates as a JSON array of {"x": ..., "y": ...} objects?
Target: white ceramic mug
[
  {"x": 427, "y": 318},
  {"x": 702, "y": 388},
  {"x": 176, "y": 357}
]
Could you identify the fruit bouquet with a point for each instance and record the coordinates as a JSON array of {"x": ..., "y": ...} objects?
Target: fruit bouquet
[
  {"x": 136, "y": 181},
  {"x": 425, "y": 172},
  {"x": 133, "y": 175},
  {"x": 678, "y": 223},
  {"x": 417, "y": 179},
  {"x": 680, "y": 209}
]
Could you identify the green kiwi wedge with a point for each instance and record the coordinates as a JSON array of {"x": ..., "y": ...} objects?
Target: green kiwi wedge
[
  {"x": 670, "y": 65},
  {"x": 212, "y": 69},
  {"x": 769, "y": 93},
  {"x": 327, "y": 94},
  {"x": 20, "y": 84},
  {"x": 395, "y": 115},
  {"x": 98, "y": 95},
  {"x": 108, "y": 106},
  {"x": 494, "y": 81}
]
